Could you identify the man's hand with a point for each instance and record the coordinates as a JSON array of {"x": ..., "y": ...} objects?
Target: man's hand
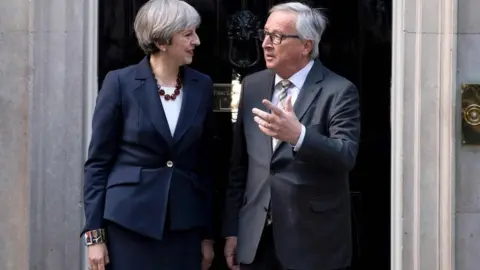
[
  {"x": 97, "y": 256},
  {"x": 230, "y": 253},
  {"x": 208, "y": 254},
  {"x": 281, "y": 124}
]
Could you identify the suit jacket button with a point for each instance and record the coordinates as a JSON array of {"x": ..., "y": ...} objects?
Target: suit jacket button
[{"x": 169, "y": 164}]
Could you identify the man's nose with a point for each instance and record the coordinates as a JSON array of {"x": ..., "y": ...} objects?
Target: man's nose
[{"x": 266, "y": 43}]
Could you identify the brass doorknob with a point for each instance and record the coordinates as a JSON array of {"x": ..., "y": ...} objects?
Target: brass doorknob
[{"x": 471, "y": 114}]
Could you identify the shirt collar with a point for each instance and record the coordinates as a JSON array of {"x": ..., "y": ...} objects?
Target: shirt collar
[{"x": 298, "y": 79}]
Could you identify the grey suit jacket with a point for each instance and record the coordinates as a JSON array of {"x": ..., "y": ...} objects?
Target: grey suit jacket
[{"x": 308, "y": 189}]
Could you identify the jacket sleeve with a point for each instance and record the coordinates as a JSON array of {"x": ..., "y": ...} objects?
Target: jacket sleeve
[
  {"x": 106, "y": 130},
  {"x": 339, "y": 149}
]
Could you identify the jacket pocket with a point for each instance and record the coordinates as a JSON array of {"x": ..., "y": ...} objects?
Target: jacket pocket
[{"x": 124, "y": 175}]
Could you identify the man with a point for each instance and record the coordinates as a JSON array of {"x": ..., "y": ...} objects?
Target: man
[{"x": 288, "y": 204}]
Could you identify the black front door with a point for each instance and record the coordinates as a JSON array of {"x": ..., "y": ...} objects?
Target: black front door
[{"x": 356, "y": 44}]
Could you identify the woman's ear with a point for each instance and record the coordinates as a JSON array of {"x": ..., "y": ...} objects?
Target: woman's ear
[{"x": 162, "y": 45}]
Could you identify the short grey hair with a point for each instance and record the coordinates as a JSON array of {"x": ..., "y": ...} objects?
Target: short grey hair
[
  {"x": 310, "y": 24},
  {"x": 158, "y": 20}
]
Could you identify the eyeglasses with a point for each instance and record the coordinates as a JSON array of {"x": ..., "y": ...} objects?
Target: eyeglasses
[{"x": 275, "y": 37}]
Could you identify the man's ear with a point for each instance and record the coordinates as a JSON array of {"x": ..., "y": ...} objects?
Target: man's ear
[{"x": 307, "y": 47}]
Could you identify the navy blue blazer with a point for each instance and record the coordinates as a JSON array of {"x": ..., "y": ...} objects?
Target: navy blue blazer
[{"x": 137, "y": 173}]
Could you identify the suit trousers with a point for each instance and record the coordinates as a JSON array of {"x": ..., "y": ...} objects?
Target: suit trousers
[{"x": 266, "y": 257}]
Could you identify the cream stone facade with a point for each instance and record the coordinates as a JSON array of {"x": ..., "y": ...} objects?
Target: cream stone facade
[{"x": 48, "y": 60}]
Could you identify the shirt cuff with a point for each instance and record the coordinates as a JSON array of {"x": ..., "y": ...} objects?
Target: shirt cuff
[{"x": 300, "y": 140}]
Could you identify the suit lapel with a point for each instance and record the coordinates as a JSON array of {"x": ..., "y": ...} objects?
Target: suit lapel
[
  {"x": 311, "y": 88},
  {"x": 149, "y": 100},
  {"x": 192, "y": 98}
]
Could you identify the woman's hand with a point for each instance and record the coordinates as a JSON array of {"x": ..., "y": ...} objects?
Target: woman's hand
[
  {"x": 97, "y": 256},
  {"x": 208, "y": 254}
]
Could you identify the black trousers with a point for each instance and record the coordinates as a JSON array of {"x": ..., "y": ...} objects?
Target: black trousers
[
  {"x": 266, "y": 257},
  {"x": 179, "y": 250}
]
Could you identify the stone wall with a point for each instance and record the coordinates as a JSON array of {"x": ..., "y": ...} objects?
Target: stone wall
[
  {"x": 468, "y": 172},
  {"x": 42, "y": 112},
  {"x": 14, "y": 130}
]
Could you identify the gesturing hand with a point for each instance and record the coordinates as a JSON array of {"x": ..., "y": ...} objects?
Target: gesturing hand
[{"x": 280, "y": 124}]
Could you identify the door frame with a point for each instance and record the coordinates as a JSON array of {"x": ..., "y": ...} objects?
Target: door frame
[
  {"x": 424, "y": 57},
  {"x": 406, "y": 14},
  {"x": 90, "y": 83}
]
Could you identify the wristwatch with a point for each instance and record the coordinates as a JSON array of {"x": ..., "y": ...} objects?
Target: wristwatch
[{"x": 95, "y": 237}]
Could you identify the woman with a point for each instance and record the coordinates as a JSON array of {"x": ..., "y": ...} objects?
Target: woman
[{"x": 147, "y": 184}]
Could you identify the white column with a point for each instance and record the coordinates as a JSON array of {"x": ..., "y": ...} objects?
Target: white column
[
  {"x": 423, "y": 141},
  {"x": 42, "y": 122},
  {"x": 56, "y": 147},
  {"x": 14, "y": 91},
  {"x": 91, "y": 89}
]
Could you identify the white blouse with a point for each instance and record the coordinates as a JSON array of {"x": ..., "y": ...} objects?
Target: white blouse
[{"x": 172, "y": 108}]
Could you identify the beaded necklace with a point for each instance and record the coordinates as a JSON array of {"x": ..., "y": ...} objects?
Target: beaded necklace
[{"x": 176, "y": 92}]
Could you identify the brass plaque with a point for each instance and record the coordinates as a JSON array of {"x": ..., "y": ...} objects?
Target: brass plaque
[
  {"x": 226, "y": 97},
  {"x": 471, "y": 114}
]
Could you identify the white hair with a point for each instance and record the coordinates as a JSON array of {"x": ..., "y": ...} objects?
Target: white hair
[
  {"x": 310, "y": 24},
  {"x": 158, "y": 20}
]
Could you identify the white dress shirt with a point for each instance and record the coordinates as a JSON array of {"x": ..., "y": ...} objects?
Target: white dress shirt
[
  {"x": 297, "y": 80},
  {"x": 172, "y": 108}
]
